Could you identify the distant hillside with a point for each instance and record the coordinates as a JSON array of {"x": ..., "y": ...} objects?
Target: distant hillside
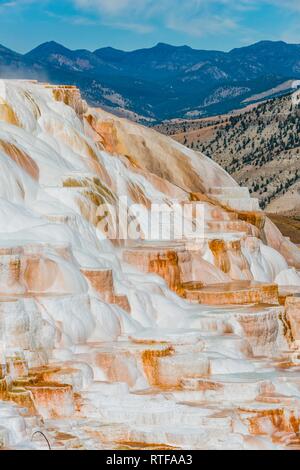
[
  {"x": 259, "y": 147},
  {"x": 164, "y": 81}
]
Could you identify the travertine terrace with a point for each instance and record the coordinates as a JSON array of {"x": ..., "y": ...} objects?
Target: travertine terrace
[{"x": 110, "y": 344}]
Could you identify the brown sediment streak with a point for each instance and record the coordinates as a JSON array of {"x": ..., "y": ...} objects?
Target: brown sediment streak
[
  {"x": 102, "y": 281},
  {"x": 96, "y": 165},
  {"x": 155, "y": 155},
  {"x": 138, "y": 196},
  {"x": 3, "y": 387},
  {"x": 82, "y": 147},
  {"x": 178, "y": 266},
  {"x": 287, "y": 329},
  {"x": 101, "y": 188},
  {"x": 7, "y": 114},
  {"x": 228, "y": 257},
  {"x": 53, "y": 399},
  {"x": 280, "y": 419},
  {"x": 88, "y": 209},
  {"x": 40, "y": 273},
  {"x": 17, "y": 367},
  {"x": 45, "y": 374},
  {"x": 70, "y": 96},
  {"x": 218, "y": 248},
  {"x": 33, "y": 105},
  {"x": 115, "y": 365},
  {"x": 23, "y": 398},
  {"x": 161, "y": 262},
  {"x": 132, "y": 163},
  {"x": 107, "y": 133},
  {"x": 11, "y": 270},
  {"x": 94, "y": 193},
  {"x": 15, "y": 269},
  {"x": 21, "y": 158},
  {"x": 254, "y": 218},
  {"x": 150, "y": 359},
  {"x": 122, "y": 302},
  {"x": 162, "y": 185},
  {"x": 32, "y": 390},
  {"x": 99, "y": 169},
  {"x": 233, "y": 293},
  {"x": 203, "y": 385},
  {"x": 134, "y": 445},
  {"x": 291, "y": 320}
]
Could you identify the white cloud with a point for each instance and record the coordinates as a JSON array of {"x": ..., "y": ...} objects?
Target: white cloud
[
  {"x": 293, "y": 5},
  {"x": 11, "y": 4},
  {"x": 201, "y": 26},
  {"x": 8, "y": 5},
  {"x": 193, "y": 17},
  {"x": 197, "y": 18},
  {"x": 127, "y": 26},
  {"x": 112, "y": 7}
]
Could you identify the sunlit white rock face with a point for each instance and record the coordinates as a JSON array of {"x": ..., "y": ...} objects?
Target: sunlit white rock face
[{"x": 186, "y": 343}]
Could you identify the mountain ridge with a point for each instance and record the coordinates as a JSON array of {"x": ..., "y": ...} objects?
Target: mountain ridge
[{"x": 161, "y": 82}]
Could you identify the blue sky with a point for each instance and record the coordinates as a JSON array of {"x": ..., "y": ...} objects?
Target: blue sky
[{"x": 132, "y": 24}]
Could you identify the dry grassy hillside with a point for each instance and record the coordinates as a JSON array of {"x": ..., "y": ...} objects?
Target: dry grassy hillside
[{"x": 259, "y": 147}]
